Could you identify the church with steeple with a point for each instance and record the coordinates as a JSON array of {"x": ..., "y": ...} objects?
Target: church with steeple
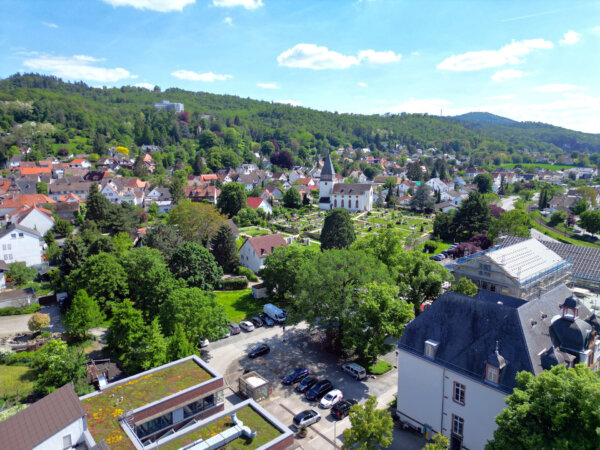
[{"x": 350, "y": 196}]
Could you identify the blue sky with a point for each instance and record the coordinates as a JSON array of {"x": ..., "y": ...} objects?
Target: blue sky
[{"x": 527, "y": 60}]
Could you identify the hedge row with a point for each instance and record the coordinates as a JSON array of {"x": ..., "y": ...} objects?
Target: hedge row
[
  {"x": 16, "y": 310},
  {"x": 235, "y": 284}
]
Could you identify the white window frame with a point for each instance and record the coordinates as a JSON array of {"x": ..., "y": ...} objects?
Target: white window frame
[
  {"x": 492, "y": 373},
  {"x": 459, "y": 394},
  {"x": 458, "y": 425}
]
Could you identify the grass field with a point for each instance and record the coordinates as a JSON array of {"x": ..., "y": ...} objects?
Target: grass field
[
  {"x": 16, "y": 381},
  {"x": 559, "y": 237},
  {"x": 543, "y": 166},
  {"x": 239, "y": 305},
  {"x": 253, "y": 231}
]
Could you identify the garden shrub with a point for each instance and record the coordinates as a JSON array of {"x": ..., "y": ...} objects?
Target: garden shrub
[
  {"x": 244, "y": 271},
  {"x": 16, "y": 310},
  {"x": 235, "y": 284}
]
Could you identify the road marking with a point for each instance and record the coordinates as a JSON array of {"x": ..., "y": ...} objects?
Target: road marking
[{"x": 315, "y": 429}]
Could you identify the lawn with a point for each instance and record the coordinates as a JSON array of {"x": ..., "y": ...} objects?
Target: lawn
[
  {"x": 254, "y": 231},
  {"x": 239, "y": 305},
  {"x": 16, "y": 381},
  {"x": 378, "y": 369},
  {"x": 543, "y": 166},
  {"x": 559, "y": 237}
]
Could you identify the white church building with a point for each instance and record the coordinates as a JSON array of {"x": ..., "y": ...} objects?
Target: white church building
[{"x": 350, "y": 196}]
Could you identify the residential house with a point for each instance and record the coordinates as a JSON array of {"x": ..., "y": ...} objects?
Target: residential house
[
  {"x": 80, "y": 163},
  {"x": 361, "y": 177},
  {"x": 445, "y": 207},
  {"x": 257, "y": 203},
  {"x": 34, "y": 218},
  {"x": 454, "y": 379},
  {"x": 561, "y": 203},
  {"x": 246, "y": 169},
  {"x": 472, "y": 172},
  {"x": 69, "y": 185},
  {"x": 21, "y": 244},
  {"x": 166, "y": 105},
  {"x": 162, "y": 198},
  {"x": 524, "y": 270},
  {"x": 15, "y": 298},
  {"x": 295, "y": 175},
  {"x": 437, "y": 185},
  {"x": 452, "y": 196},
  {"x": 279, "y": 176},
  {"x": 205, "y": 193},
  {"x": 255, "y": 249},
  {"x": 28, "y": 171},
  {"x": 13, "y": 202}
]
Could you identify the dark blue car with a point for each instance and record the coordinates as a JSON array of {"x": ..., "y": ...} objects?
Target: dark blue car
[{"x": 296, "y": 375}]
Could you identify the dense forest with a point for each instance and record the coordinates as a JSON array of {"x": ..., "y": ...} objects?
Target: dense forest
[{"x": 48, "y": 114}]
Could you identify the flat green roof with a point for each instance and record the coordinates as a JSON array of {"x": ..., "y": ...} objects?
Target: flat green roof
[
  {"x": 137, "y": 392},
  {"x": 265, "y": 431}
]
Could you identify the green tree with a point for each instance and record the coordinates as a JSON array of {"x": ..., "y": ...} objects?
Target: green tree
[
  {"x": 233, "y": 198},
  {"x": 423, "y": 199},
  {"x": 198, "y": 165},
  {"x": 484, "y": 183},
  {"x": 545, "y": 196},
  {"x": 224, "y": 248},
  {"x": 179, "y": 346},
  {"x": 196, "y": 311},
  {"x": 103, "y": 277},
  {"x": 370, "y": 428},
  {"x": 590, "y": 221},
  {"x": 176, "y": 190},
  {"x": 125, "y": 329},
  {"x": 83, "y": 314},
  {"x": 292, "y": 198},
  {"x": 41, "y": 188},
  {"x": 56, "y": 365},
  {"x": 62, "y": 227},
  {"x": 196, "y": 222},
  {"x": 558, "y": 217},
  {"x": 375, "y": 315},
  {"x": 122, "y": 243},
  {"x": 443, "y": 226},
  {"x": 580, "y": 207},
  {"x": 148, "y": 351},
  {"x": 281, "y": 269},
  {"x": 558, "y": 408},
  {"x": 473, "y": 216},
  {"x": 102, "y": 244},
  {"x": 511, "y": 223},
  {"x": 465, "y": 286},
  {"x": 386, "y": 245},
  {"x": 38, "y": 321},
  {"x": 326, "y": 284},
  {"x": 153, "y": 210},
  {"x": 73, "y": 254},
  {"x": 196, "y": 266},
  {"x": 420, "y": 279},
  {"x": 589, "y": 194},
  {"x": 440, "y": 442},
  {"x": 20, "y": 273},
  {"x": 338, "y": 230},
  {"x": 164, "y": 238},
  {"x": 97, "y": 205},
  {"x": 208, "y": 139}
]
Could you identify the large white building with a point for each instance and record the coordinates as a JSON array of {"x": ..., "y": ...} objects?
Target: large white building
[
  {"x": 255, "y": 249},
  {"x": 457, "y": 361},
  {"x": 350, "y": 196},
  {"x": 169, "y": 106},
  {"x": 21, "y": 244}
]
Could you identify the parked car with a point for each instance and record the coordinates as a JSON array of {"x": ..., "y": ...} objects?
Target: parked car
[
  {"x": 306, "y": 383},
  {"x": 296, "y": 375},
  {"x": 306, "y": 418},
  {"x": 319, "y": 390},
  {"x": 234, "y": 328},
  {"x": 257, "y": 322},
  {"x": 203, "y": 343},
  {"x": 246, "y": 325},
  {"x": 356, "y": 370},
  {"x": 266, "y": 320},
  {"x": 342, "y": 408},
  {"x": 274, "y": 312},
  {"x": 331, "y": 398},
  {"x": 259, "y": 350}
]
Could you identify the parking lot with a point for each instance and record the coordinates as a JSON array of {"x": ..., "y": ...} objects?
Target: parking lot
[{"x": 302, "y": 348}]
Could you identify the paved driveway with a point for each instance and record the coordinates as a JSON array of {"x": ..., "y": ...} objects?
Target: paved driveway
[
  {"x": 13, "y": 325},
  {"x": 301, "y": 349}
]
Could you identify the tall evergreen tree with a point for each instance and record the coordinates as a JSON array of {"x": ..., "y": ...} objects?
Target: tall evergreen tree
[
  {"x": 83, "y": 314},
  {"x": 338, "y": 230},
  {"x": 224, "y": 249},
  {"x": 97, "y": 206},
  {"x": 473, "y": 216},
  {"x": 179, "y": 346}
]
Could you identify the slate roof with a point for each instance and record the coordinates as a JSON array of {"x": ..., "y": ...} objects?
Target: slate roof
[
  {"x": 327, "y": 172},
  {"x": 530, "y": 335},
  {"x": 15, "y": 226},
  {"x": 43, "y": 419},
  {"x": 350, "y": 188},
  {"x": 586, "y": 260}
]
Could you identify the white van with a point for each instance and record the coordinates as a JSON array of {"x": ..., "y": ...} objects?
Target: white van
[
  {"x": 358, "y": 372},
  {"x": 274, "y": 312}
]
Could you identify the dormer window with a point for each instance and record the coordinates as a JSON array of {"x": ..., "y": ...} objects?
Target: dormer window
[
  {"x": 570, "y": 310},
  {"x": 431, "y": 348},
  {"x": 492, "y": 374}
]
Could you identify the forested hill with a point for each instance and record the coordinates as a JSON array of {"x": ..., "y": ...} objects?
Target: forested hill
[
  {"x": 483, "y": 117},
  {"x": 121, "y": 115}
]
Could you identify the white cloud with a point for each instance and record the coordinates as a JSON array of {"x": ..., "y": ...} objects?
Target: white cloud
[
  {"x": 311, "y": 56},
  {"x": 148, "y": 86},
  {"x": 557, "y": 87},
  {"x": 247, "y": 4},
  {"x": 207, "y": 77},
  {"x": 384, "y": 57},
  {"x": 570, "y": 37},
  {"x": 153, "y": 5},
  {"x": 501, "y": 97},
  {"x": 77, "y": 67},
  {"x": 228, "y": 21},
  {"x": 597, "y": 28},
  {"x": 289, "y": 102},
  {"x": 508, "y": 74},
  {"x": 50, "y": 25},
  {"x": 268, "y": 85},
  {"x": 483, "y": 59},
  {"x": 362, "y": 84}
]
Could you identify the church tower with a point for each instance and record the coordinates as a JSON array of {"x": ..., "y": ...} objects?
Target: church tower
[{"x": 326, "y": 184}]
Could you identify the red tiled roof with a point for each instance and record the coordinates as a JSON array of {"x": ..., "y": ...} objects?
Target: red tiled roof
[
  {"x": 32, "y": 426},
  {"x": 254, "y": 202},
  {"x": 78, "y": 161},
  {"x": 35, "y": 170},
  {"x": 19, "y": 200},
  {"x": 264, "y": 245}
]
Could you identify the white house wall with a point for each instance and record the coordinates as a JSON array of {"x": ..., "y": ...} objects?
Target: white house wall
[
  {"x": 249, "y": 258},
  {"x": 425, "y": 394},
  {"x": 27, "y": 249},
  {"x": 38, "y": 221},
  {"x": 75, "y": 430}
]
